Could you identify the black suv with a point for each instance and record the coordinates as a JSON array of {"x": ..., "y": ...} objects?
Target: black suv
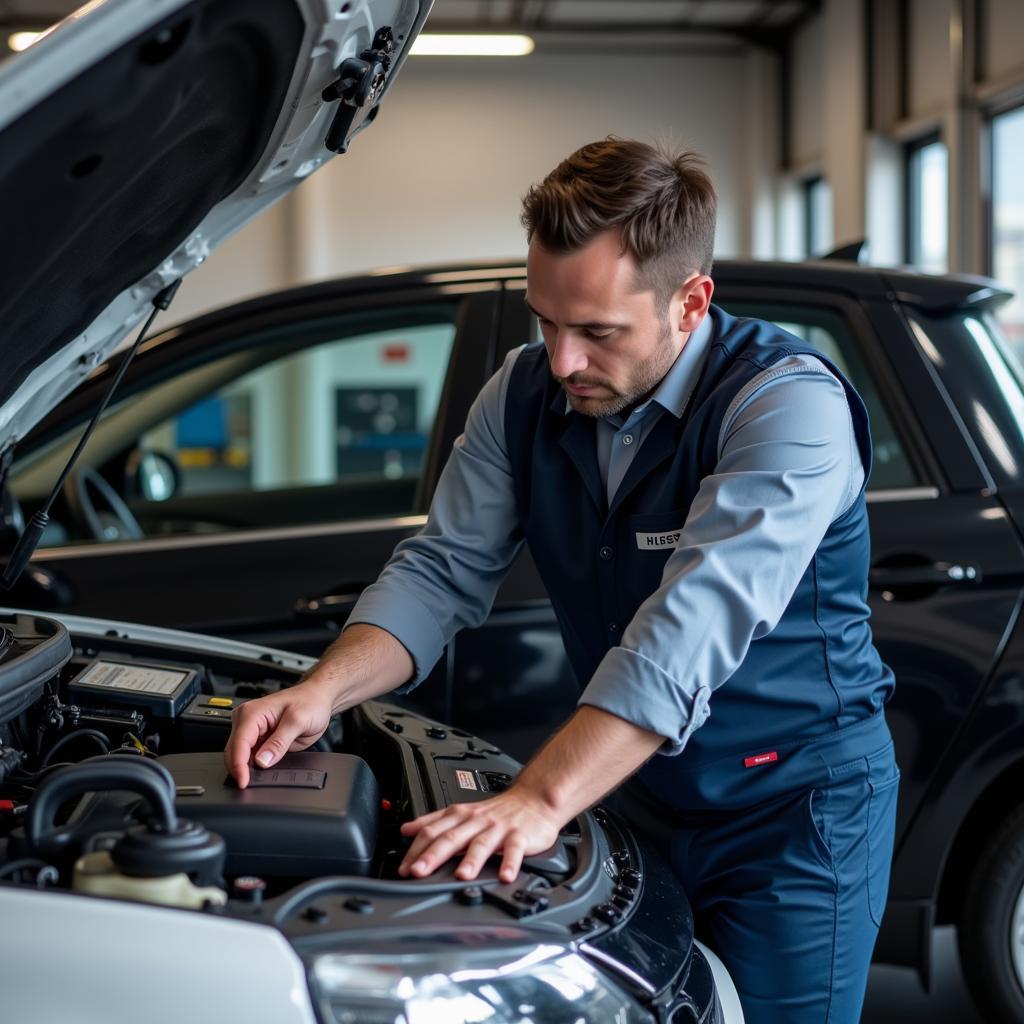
[{"x": 260, "y": 463}]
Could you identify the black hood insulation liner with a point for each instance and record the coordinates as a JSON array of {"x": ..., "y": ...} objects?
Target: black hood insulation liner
[{"x": 106, "y": 177}]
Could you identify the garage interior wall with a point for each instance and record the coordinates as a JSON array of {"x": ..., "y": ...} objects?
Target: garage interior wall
[
  {"x": 440, "y": 175},
  {"x": 865, "y": 79}
]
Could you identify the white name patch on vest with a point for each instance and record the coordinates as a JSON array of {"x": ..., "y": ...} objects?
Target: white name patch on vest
[{"x": 658, "y": 541}]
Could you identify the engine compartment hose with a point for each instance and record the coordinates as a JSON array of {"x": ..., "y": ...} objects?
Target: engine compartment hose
[{"x": 133, "y": 774}]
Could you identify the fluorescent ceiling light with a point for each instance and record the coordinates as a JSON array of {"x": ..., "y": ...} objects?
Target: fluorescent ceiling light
[
  {"x": 432, "y": 44},
  {"x": 19, "y": 41}
]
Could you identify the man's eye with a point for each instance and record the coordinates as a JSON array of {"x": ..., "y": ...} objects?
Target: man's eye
[{"x": 598, "y": 335}]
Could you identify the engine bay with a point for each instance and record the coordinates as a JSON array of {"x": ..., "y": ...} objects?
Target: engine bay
[
  {"x": 113, "y": 790},
  {"x": 79, "y": 707}
]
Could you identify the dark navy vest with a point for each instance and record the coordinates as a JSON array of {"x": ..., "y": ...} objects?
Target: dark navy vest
[{"x": 812, "y": 690}]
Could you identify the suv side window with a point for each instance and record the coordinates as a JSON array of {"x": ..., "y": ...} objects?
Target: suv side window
[
  {"x": 828, "y": 332},
  {"x": 353, "y": 410},
  {"x": 308, "y": 423}
]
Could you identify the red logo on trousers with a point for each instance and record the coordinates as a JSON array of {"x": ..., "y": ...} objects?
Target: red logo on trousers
[{"x": 759, "y": 759}]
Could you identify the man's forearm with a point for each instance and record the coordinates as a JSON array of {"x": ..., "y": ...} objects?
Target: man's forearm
[
  {"x": 364, "y": 662},
  {"x": 589, "y": 756}
]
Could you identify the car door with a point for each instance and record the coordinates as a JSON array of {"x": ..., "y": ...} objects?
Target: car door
[
  {"x": 299, "y": 430},
  {"x": 947, "y": 565}
]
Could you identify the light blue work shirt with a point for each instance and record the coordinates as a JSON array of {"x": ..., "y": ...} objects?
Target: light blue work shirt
[{"x": 787, "y": 438}]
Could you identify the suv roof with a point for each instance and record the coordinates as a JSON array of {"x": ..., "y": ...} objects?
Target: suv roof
[{"x": 931, "y": 292}]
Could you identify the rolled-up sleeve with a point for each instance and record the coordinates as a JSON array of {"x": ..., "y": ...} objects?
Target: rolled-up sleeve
[
  {"x": 788, "y": 466},
  {"x": 446, "y": 576}
]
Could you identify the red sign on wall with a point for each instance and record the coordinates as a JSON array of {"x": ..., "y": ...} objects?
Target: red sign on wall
[{"x": 395, "y": 353}]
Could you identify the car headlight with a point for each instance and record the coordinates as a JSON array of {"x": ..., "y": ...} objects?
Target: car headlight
[{"x": 510, "y": 984}]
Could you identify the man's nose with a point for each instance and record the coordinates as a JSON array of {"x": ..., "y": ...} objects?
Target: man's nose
[{"x": 566, "y": 355}]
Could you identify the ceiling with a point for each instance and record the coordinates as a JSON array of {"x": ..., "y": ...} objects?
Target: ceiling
[
  {"x": 748, "y": 19},
  {"x": 760, "y": 22}
]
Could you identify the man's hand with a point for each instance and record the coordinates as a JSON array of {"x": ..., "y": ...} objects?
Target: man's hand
[
  {"x": 516, "y": 822},
  {"x": 363, "y": 662},
  {"x": 274, "y": 725},
  {"x": 590, "y": 755}
]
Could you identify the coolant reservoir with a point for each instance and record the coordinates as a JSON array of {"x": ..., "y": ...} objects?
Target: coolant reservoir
[{"x": 96, "y": 874}]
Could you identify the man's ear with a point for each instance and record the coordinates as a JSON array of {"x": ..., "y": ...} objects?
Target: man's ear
[{"x": 694, "y": 297}]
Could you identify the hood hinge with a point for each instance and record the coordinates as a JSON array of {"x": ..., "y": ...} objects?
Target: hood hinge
[{"x": 361, "y": 81}]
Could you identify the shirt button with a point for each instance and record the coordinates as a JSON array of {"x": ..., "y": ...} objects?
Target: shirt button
[
  {"x": 606, "y": 553},
  {"x": 627, "y": 438},
  {"x": 613, "y": 627}
]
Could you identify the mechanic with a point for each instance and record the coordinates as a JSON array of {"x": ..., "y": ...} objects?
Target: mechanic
[{"x": 691, "y": 488}]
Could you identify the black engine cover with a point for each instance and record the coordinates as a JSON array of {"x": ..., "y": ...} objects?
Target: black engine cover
[{"x": 312, "y": 814}]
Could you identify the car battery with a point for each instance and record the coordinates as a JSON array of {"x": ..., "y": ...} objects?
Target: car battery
[
  {"x": 159, "y": 690},
  {"x": 206, "y": 722}
]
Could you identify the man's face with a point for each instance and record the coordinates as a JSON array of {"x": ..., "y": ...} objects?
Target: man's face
[{"x": 608, "y": 344}]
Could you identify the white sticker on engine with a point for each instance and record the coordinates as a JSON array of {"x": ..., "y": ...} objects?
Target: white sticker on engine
[
  {"x": 466, "y": 780},
  {"x": 658, "y": 541},
  {"x": 139, "y": 678}
]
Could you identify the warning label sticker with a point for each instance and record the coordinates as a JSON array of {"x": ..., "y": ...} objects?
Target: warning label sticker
[
  {"x": 136, "y": 678},
  {"x": 466, "y": 780}
]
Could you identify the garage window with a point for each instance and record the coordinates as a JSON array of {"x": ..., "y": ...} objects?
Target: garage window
[
  {"x": 1007, "y": 225},
  {"x": 817, "y": 206},
  {"x": 927, "y": 201}
]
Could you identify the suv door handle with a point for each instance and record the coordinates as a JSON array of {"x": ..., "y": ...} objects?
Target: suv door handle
[
  {"x": 937, "y": 574},
  {"x": 335, "y": 605}
]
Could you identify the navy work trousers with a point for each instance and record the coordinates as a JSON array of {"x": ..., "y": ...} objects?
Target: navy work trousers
[{"x": 789, "y": 893}]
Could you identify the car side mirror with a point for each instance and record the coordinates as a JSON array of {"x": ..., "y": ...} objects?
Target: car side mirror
[{"x": 154, "y": 475}]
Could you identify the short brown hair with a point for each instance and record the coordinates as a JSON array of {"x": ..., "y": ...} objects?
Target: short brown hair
[{"x": 663, "y": 204}]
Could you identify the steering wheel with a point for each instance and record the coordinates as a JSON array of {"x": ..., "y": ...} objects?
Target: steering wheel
[{"x": 99, "y": 508}]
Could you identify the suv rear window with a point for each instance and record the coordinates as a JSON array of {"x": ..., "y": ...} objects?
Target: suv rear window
[{"x": 985, "y": 379}]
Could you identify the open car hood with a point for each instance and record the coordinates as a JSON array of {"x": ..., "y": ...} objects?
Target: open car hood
[{"x": 136, "y": 136}]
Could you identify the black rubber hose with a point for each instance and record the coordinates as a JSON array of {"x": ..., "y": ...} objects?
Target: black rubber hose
[
  {"x": 136, "y": 775},
  {"x": 92, "y": 734}
]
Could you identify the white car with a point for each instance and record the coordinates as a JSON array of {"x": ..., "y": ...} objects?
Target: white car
[{"x": 135, "y": 878}]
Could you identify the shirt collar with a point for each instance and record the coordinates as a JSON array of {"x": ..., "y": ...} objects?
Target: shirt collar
[{"x": 677, "y": 385}]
